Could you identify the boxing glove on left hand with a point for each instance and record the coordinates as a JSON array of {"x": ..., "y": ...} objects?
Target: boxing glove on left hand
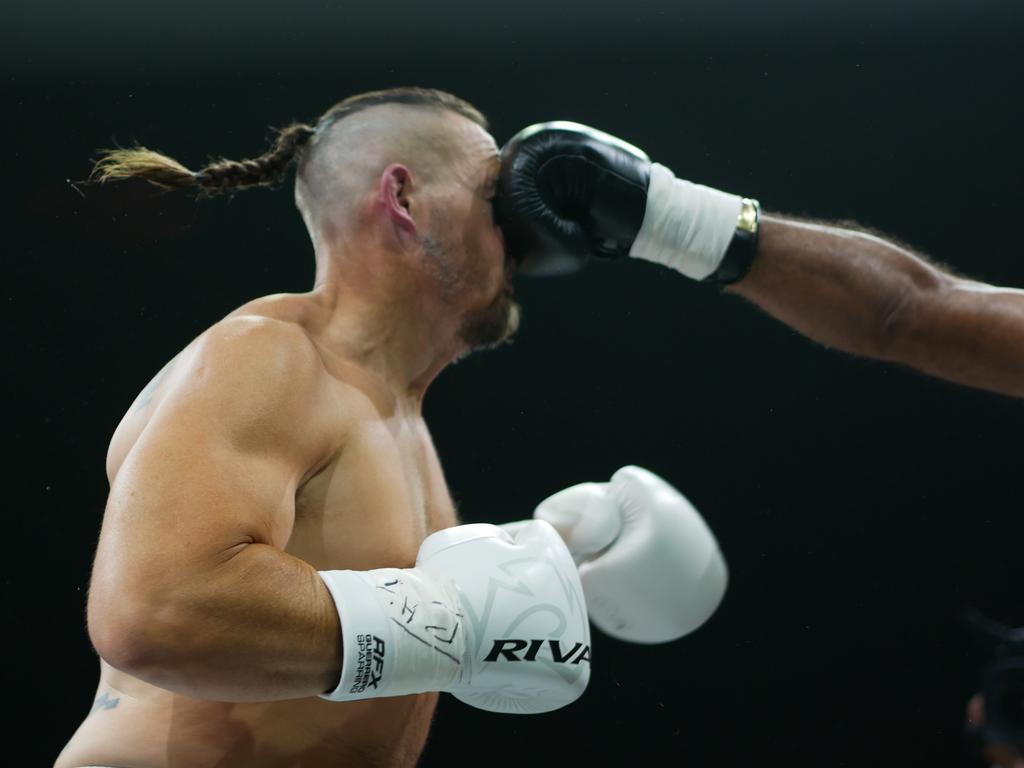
[
  {"x": 568, "y": 192},
  {"x": 650, "y": 567}
]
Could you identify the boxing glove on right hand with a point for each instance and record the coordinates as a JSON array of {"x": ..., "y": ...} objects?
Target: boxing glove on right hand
[{"x": 496, "y": 619}]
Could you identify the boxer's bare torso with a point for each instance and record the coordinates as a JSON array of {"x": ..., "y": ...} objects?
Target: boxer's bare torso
[{"x": 370, "y": 506}]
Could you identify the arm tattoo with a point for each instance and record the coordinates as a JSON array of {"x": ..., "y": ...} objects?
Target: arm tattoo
[
  {"x": 104, "y": 702},
  {"x": 147, "y": 394}
]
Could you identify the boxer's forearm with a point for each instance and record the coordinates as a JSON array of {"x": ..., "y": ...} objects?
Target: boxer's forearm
[
  {"x": 840, "y": 287},
  {"x": 261, "y": 626},
  {"x": 867, "y": 296}
]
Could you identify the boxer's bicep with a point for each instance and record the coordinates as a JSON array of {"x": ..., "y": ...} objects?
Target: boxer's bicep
[{"x": 216, "y": 468}]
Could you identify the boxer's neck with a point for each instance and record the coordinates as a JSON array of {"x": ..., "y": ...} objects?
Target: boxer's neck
[{"x": 375, "y": 312}]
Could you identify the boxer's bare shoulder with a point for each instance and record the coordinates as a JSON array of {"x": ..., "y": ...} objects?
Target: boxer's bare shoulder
[
  {"x": 363, "y": 488},
  {"x": 251, "y": 357}
]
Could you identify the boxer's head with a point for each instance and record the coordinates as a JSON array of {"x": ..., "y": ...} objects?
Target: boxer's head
[
  {"x": 394, "y": 187},
  {"x": 399, "y": 184}
]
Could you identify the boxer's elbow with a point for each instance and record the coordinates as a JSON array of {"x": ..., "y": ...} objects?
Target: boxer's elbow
[
  {"x": 903, "y": 318},
  {"x": 136, "y": 634},
  {"x": 894, "y": 322}
]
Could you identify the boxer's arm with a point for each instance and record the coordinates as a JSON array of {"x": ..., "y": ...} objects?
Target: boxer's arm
[
  {"x": 191, "y": 589},
  {"x": 844, "y": 288},
  {"x": 867, "y": 296}
]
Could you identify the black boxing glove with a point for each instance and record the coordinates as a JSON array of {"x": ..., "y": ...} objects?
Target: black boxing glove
[{"x": 568, "y": 193}]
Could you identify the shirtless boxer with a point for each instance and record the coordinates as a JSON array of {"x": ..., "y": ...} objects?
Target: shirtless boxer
[
  {"x": 277, "y": 508},
  {"x": 288, "y": 439}
]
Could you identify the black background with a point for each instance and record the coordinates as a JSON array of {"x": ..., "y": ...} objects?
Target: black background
[{"x": 861, "y": 507}]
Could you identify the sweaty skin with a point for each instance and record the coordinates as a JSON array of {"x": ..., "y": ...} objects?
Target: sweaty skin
[
  {"x": 286, "y": 439},
  {"x": 377, "y": 493}
]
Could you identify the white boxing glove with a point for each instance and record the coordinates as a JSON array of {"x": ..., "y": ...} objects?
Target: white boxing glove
[
  {"x": 496, "y": 618},
  {"x": 650, "y": 567}
]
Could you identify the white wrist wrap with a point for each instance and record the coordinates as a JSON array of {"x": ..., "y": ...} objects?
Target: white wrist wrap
[
  {"x": 686, "y": 226},
  {"x": 398, "y": 633}
]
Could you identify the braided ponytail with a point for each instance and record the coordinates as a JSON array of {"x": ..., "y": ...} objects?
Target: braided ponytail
[{"x": 267, "y": 170}]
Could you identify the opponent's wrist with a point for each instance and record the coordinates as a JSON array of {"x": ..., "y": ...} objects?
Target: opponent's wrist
[
  {"x": 704, "y": 233},
  {"x": 397, "y": 630},
  {"x": 742, "y": 250}
]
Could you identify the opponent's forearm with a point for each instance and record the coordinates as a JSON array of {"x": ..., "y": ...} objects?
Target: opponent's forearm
[
  {"x": 966, "y": 332},
  {"x": 837, "y": 286},
  {"x": 846, "y": 288},
  {"x": 259, "y": 627},
  {"x": 867, "y": 296}
]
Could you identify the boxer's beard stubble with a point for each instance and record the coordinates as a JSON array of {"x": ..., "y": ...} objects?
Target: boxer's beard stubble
[{"x": 486, "y": 328}]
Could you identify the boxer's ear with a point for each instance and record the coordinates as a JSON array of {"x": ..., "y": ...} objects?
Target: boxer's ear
[{"x": 394, "y": 198}]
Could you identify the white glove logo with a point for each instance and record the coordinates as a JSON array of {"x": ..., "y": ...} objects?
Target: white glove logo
[
  {"x": 534, "y": 647},
  {"x": 371, "y": 663},
  {"x": 537, "y": 611}
]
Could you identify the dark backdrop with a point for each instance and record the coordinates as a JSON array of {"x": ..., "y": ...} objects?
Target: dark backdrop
[{"x": 861, "y": 507}]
